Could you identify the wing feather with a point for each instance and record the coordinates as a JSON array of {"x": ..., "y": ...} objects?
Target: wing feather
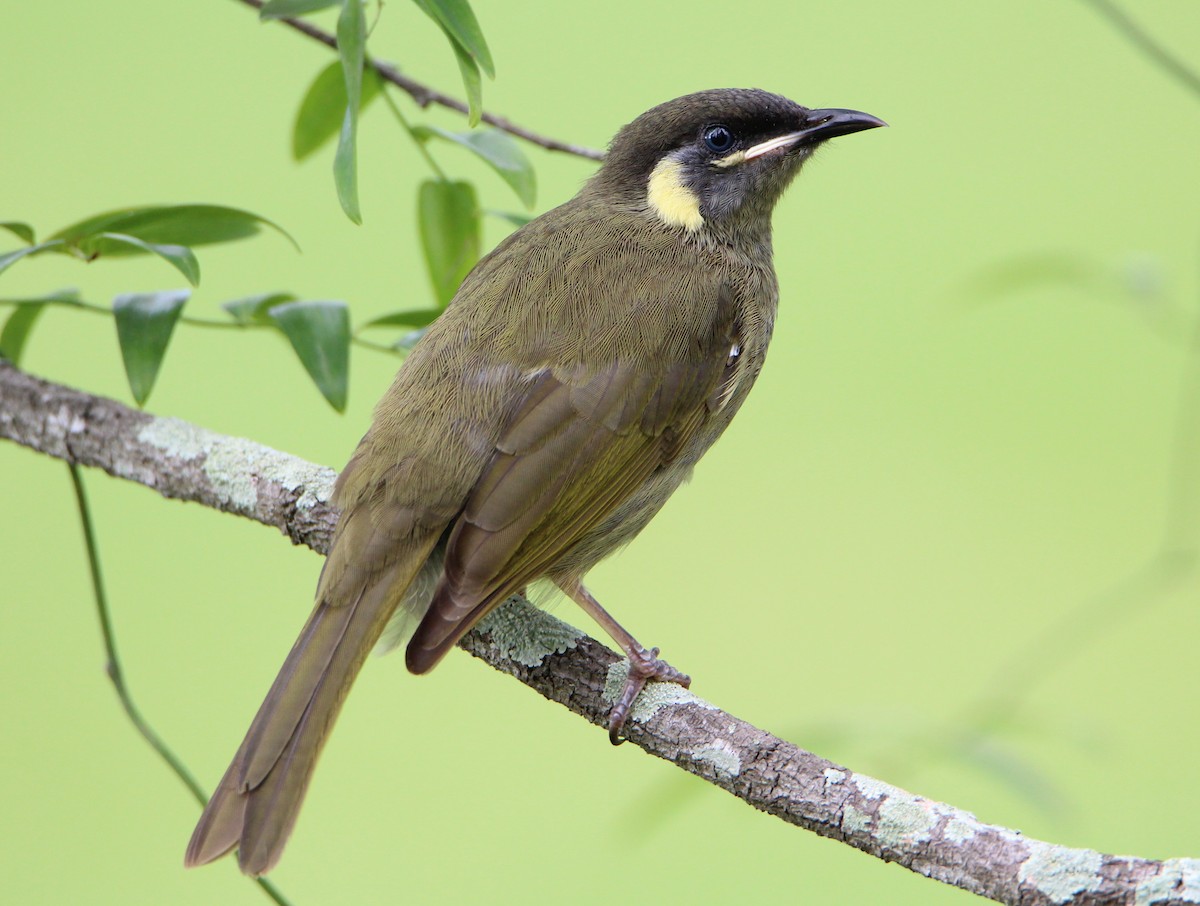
[{"x": 579, "y": 445}]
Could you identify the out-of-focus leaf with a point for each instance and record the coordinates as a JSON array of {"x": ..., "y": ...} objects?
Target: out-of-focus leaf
[
  {"x": 16, "y": 330},
  {"x": 409, "y": 340},
  {"x": 517, "y": 220},
  {"x": 319, "y": 331},
  {"x": 180, "y": 256},
  {"x": 458, "y": 21},
  {"x": 472, "y": 84},
  {"x": 145, "y": 322},
  {"x": 21, "y": 230},
  {"x": 1013, "y": 770},
  {"x": 253, "y": 309},
  {"x": 352, "y": 37},
  {"x": 468, "y": 65},
  {"x": 416, "y": 317},
  {"x": 1044, "y": 269},
  {"x": 448, "y": 221},
  {"x": 289, "y": 9},
  {"x": 323, "y": 109},
  {"x": 499, "y": 150},
  {"x": 181, "y": 224},
  {"x": 10, "y": 258}
]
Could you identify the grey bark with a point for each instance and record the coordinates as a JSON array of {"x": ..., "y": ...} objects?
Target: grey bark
[{"x": 186, "y": 462}]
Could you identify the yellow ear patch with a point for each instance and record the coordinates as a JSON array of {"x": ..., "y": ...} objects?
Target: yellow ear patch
[{"x": 669, "y": 198}]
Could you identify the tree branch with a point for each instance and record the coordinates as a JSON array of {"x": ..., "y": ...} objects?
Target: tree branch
[
  {"x": 424, "y": 95},
  {"x": 187, "y": 462}
]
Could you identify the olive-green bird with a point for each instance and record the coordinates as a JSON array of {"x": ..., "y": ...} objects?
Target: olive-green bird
[{"x": 580, "y": 372}]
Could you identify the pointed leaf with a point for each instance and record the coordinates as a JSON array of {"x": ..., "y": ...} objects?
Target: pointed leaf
[
  {"x": 468, "y": 65},
  {"x": 472, "y": 84},
  {"x": 180, "y": 256},
  {"x": 144, "y": 325},
  {"x": 16, "y": 330},
  {"x": 183, "y": 224},
  {"x": 320, "y": 334},
  {"x": 448, "y": 221},
  {"x": 290, "y": 9},
  {"x": 10, "y": 258},
  {"x": 499, "y": 150},
  {"x": 352, "y": 36},
  {"x": 253, "y": 309},
  {"x": 20, "y": 322},
  {"x": 517, "y": 220},
  {"x": 458, "y": 21},
  {"x": 22, "y": 230},
  {"x": 324, "y": 107},
  {"x": 416, "y": 317},
  {"x": 409, "y": 340}
]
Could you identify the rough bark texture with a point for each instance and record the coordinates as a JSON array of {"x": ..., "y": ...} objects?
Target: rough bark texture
[{"x": 934, "y": 839}]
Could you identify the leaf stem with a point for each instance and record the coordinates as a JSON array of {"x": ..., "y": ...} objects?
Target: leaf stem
[
  {"x": 116, "y": 675},
  {"x": 421, "y": 146}
]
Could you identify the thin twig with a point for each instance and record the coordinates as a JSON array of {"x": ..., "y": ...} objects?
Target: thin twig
[
  {"x": 424, "y": 95},
  {"x": 113, "y": 666},
  {"x": 1141, "y": 39}
]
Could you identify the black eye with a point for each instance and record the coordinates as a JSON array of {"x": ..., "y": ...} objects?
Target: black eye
[{"x": 718, "y": 138}]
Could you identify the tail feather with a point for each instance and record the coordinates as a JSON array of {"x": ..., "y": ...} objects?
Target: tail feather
[{"x": 255, "y": 806}]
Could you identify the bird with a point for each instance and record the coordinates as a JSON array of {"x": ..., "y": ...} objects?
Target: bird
[{"x": 579, "y": 373}]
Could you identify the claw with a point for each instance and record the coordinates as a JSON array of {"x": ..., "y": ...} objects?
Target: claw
[{"x": 643, "y": 666}]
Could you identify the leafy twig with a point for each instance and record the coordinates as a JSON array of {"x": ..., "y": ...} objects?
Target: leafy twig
[{"x": 424, "y": 95}]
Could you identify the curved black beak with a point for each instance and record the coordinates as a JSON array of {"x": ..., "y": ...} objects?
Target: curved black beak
[
  {"x": 823, "y": 124},
  {"x": 833, "y": 121}
]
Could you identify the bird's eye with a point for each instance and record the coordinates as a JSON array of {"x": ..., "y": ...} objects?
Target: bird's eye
[{"x": 718, "y": 138}]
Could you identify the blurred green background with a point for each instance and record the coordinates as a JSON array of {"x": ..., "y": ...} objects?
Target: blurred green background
[{"x": 948, "y": 489}]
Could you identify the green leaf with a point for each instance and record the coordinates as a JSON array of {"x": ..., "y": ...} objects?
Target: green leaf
[
  {"x": 448, "y": 220},
  {"x": 409, "y": 340},
  {"x": 472, "y": 84},
  {"x": 20, "y": 322},
  {"x": 144, "y": 325},
  {"x": 289, "y": 9},
  {"x": 16, "y": 331},
  {"x": 320, "y": 334},
  {"x": 253, "y": 309},
  {"x": 22, "y": 230},
  {"x": 10, "y": 258},
  {"x": 415, "y": 317},
  {"x": 459, "y": 23},
  {"x": 182, "y": 224},
  {"x": 468, "y": 65},
  {"x": 499, "y": 150},
  {"x": 517, "y": 220},
  {"x": 324, "y": 107},
  {"x": 352, "y": 36},
  {"x": 180, "y": 256}
]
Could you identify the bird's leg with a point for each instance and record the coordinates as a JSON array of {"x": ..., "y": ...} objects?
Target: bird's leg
[{"x": 644, "y": 664}]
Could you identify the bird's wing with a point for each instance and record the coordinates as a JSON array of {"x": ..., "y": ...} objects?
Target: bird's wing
[{"x": 579, "y": 443}]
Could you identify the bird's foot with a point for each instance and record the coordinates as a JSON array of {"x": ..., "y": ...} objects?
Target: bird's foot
[{"x": 643, "y": 666}]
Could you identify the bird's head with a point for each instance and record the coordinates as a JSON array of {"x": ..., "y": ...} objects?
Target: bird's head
[{"x": 719, "y": 159}]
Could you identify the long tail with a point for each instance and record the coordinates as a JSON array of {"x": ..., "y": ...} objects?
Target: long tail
[{"x": 254, "y": 807}]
